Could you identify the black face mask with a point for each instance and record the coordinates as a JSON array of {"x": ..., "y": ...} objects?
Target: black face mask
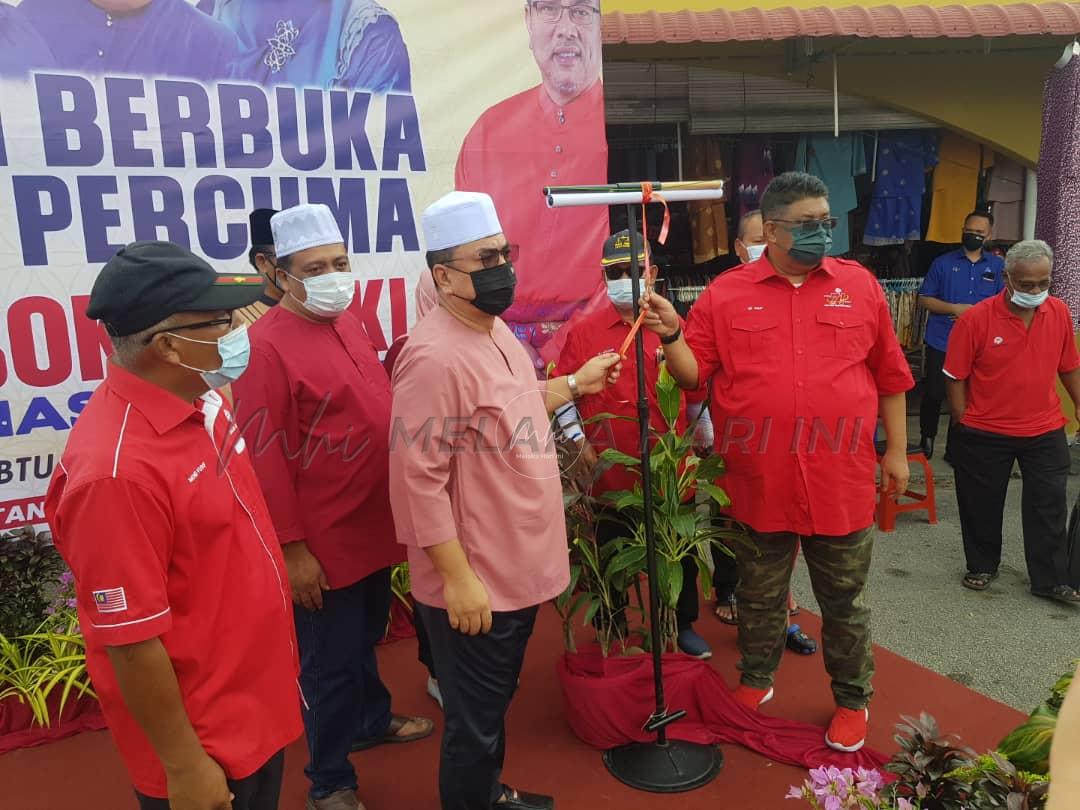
[
  {"x": 973, "y": 241},
  {"x": 494, "y": 288}
]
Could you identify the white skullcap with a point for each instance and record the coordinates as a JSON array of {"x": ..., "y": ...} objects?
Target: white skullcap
[
  {"x": 302, "y": 227},
  {"x": 459, "y": 218}
]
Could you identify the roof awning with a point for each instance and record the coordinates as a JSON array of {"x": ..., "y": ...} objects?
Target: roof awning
[{"x": 920, "y": 22}]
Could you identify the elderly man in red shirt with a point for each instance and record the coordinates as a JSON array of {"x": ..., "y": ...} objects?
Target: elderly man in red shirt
[
  {"x": 315, "y": 409},
  {"x": 551, "y": 134},
  {"x": 1005, "y": 355},
  {"x": 804, "y": 358},
  {"x": 181, "y": 588},
  {"x": 476, "y": 491}
]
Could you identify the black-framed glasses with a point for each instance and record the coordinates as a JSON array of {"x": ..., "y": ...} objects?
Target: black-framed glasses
[
  {"x": 199, "y": 325},
  {"x": 1031, "y": 286},
  {"x": 493, "y": 257},
  {"x": 614, "y": 272},
  {"x": 808, "y": 226},
  {"x": 581, "y": 14}
]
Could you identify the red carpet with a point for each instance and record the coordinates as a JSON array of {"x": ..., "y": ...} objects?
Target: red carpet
[{"x": 85, "y": 772}]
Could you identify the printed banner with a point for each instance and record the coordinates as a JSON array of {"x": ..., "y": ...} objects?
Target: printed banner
[{"x": 174, "y": 119}]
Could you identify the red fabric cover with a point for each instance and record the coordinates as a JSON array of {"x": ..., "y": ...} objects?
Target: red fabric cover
[
  {"x": 17, "y": 729},
  {"x": 609, "y": 699}
]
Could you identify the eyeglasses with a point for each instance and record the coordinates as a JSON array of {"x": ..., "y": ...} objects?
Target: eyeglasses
[
  {"x": 1031, "y": 286},
  {"x": 199, "y": 325},
  {"x": 581, "y": 15},
  {"x": 493, "y": 257},
  {"x": 808, "y": 226},
  {"x": 616, "y": 271}
]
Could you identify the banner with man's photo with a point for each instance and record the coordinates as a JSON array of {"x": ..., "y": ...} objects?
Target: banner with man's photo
[{"x": 124, "y": 120}]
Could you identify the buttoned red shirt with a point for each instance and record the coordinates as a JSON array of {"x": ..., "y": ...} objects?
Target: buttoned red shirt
[
  {"x": 156, "y": 509},
  {"x": 314, "y": 405},
  {"x": 515, "y": 149},
  {"x": 1011, "y": 369},
  {"x": 796, "y": 377},
  {"x": 601, "y": 331}
]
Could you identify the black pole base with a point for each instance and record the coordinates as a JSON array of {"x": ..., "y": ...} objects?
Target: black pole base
[{"x": 672, "y": 767}]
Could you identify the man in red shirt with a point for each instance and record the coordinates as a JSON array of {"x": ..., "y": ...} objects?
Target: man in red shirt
[
  {"x": 803, "y": 359},
  {"x": 1004, "y": 356},
  {"x": 551, "y": 134},
  {"x": 315, "y": 409},
  {"x": 181, "y": 588}
]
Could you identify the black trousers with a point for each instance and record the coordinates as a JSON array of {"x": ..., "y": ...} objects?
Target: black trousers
[
  {"x": 686, "y": 609},
  {"x": 423, "y": 645},
  {"x": 982, "y": 464},
  {"x": 933, "y": 393},
  {"x": 477, "y": 677},
  {"x": 259, "y": 791}
]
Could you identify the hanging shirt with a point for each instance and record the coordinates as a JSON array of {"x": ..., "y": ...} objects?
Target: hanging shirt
[
  {"x": 837, "y": 161},
  {"x": 754, "y": 167},
  {"x": 156, "y": 509},
  {"x": 708, "y": 218},
  {"x": 798, "y": 374},
  {"x": 955, "y": 279},
  {"x": 21, "y": 49},
  {"x": 902, "y": 161},
  {"x": 352, "y": 44},
  {"x": 314, "y": 405},
  {"x": 164, "y": 38},
  {"x": 601, "y": 331},
  {"x": 956, "y": 185},
  {"x": 514, "y": 150},
  {"x": 1011, "y": 369},
  {"x": 1006, "y": 193},
  {"x": 473, "y": 458}
]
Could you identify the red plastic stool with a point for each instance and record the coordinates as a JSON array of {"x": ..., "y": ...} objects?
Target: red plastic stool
[{"x": 889, "y": 506}]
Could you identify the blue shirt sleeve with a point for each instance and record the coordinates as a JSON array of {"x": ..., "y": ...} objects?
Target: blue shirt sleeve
[
  {"x": 931, "y": 285},
  {"x": 380, "y": 62}
]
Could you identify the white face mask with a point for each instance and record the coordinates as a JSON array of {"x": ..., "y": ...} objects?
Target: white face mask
[
  {"x": 1030, "y": 300},
  {"x": 621, "y": 292},
  {"x": 233, "y": 348},
  {"x": 754, "y": 252},
  {"x": 328, "y": 295}
]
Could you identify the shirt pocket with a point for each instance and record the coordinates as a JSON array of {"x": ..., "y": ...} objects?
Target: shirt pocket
[
  {"x": 842, "y": 334},
  {"x": 755, "y": 338}
]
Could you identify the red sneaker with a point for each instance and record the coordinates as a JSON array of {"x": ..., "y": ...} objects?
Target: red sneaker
[
  {"x": 847, "y": 731},
  {"x": 752, "y": 698}
]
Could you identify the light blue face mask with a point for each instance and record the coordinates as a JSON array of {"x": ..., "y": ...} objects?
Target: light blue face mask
[
  {"x": 234, "y": 350},
  {"x": 621, "y": 292},
  {"x": 1030, "y": 300}
]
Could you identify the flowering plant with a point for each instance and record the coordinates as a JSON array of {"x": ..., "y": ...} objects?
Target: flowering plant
[{"x": 832, "y": 788}]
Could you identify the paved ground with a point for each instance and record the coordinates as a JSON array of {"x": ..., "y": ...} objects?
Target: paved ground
[{"x": 1002, "y": 642}]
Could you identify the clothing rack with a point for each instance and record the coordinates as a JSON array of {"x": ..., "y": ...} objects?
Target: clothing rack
[{"x": 909, "y": 319}]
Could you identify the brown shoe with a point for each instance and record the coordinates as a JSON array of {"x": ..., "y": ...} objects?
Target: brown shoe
[{"x": 339, "y": 800}]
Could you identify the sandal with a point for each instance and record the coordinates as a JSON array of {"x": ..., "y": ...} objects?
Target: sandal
[
  {"x": 729, "y": 604},
  {"x": 1059, "y": 593},
  {"x": 978, "y": 582},
  {"x": 398, "y": 722}
]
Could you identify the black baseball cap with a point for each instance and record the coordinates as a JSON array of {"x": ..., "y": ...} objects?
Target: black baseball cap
[
  {"x": 146, "y": 282},
  {"x": 259, "y": 226},
  {"x": 617, "y": 248}
]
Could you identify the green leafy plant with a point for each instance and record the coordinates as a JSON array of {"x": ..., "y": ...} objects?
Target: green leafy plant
[
  {"x": 400, "y": 584},
  {"x": 925, "y": 763},
  {"x": 994, "y": 782},
  {"x": 30, "y": 571}
]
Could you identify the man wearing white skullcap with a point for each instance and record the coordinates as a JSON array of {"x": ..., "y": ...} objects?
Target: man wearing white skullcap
[
  {"x": 475, "y": 491},
  {"x": 315, "y": 409}
]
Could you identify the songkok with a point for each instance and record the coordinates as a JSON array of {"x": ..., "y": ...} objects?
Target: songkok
[
  {"x": 459, "y": 218},
  {"x": 302, "y": 227},
  {"x": 259, "y": 226}
]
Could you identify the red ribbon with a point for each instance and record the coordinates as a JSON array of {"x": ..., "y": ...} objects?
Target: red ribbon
[{"x": 647, "y": 196}]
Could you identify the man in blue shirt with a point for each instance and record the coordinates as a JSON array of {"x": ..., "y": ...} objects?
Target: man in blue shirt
[{"x": 956, "y": 281}]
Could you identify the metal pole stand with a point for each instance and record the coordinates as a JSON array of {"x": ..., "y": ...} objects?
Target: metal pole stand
[{"x": 662, "y": 766}]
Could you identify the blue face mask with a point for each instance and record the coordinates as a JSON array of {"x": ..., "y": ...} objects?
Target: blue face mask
[
  {"x": 810, "y": 245},
  {"x": 234, "y": 350},
  {"x": 621, "y": 292},
  {"x": 1030, "y": 300}
]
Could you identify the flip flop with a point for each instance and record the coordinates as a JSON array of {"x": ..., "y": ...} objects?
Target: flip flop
[
  {"x": 1059, "y": 593},
  {"x": 397, "y": 722},
  {"x": 978, "y": 581},
  {"x": 731, "y": 604}
]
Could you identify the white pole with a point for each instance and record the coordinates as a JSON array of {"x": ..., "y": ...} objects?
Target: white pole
[
  {"x": 629, "y": 197},
  {"x": 1031, "y": 199},
  {"x": 835, "y": 95}
]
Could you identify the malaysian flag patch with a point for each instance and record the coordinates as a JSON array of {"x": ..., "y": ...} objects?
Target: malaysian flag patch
[{"x": 111, "y": 600}]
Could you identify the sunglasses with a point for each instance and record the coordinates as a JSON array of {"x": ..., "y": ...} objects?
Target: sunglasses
[
  {"x": 199, "y": 325},
  {"x": 493, "y": 257}
]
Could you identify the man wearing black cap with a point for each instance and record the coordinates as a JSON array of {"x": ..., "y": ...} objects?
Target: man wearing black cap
[
  {"x": 182, "y": 592},
  {"x": 264, "y": 261}
]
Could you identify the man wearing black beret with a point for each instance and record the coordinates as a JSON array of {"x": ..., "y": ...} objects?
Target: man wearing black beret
[
  {"x": 182, "y": 593},
  {"x": 264, "y": 261}
]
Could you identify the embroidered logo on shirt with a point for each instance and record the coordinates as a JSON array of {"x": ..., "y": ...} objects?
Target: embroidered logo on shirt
[
  {"x": 110, "y": 600},
  {"x": 196, "y": 473},
  {"x": 838, "y": 298},
  {"x": 999, "y": 340}
]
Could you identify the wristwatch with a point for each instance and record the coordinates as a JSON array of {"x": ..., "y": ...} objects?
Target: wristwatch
[
  {"x": 571, "y": 381},
  {"x": 667, "y": 341}
]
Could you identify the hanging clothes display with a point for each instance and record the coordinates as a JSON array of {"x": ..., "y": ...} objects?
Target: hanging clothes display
[
  {"x": 837, "y": 161},
  {"x": 1058, "y": 216},
  {"x": 708, "y": 218},
  {"x": 1006, "y": 195},
  {"x": 754, "y": 166},
  {"x": 961, "y": 162},
  {"x": 909, "y": 320},
  {"x": 901, "y": 162}
]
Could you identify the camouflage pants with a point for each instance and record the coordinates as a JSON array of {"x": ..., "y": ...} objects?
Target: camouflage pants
[{"x": 838, "y": 571}]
